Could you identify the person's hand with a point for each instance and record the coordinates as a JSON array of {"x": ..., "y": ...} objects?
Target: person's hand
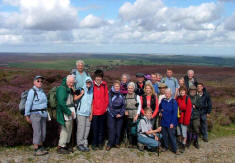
[
  {"x": 135, "y": 118},
  {"x": 160, "y": 114},
  {"x": 28, "y": 119},
  {"x": 194, "y": 106},
  {"x": 118, "y": 116},
  {"x": 126, "y": 113},
  {"x": 148, "y": 132},
  {"x": 171, "y": 126},
  {"x": 156, "y": 138},
  {"x": 159, "y": 129},
  {"x": 90, "y": 118},
  {"x": 82, "y": 92},
  {"x": 73, "y": 115}
]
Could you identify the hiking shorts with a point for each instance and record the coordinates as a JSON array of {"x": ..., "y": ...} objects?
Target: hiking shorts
[{"x": 182, "y": 130}]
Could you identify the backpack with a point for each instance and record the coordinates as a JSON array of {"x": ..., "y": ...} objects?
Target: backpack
[
  {"x": 23, "y": 99},
  {"x": 74, "y": 72},
  {"x": 52, "y": 102},
  {"x": 117, "y": 101},
  {"x": 134, "y": 127},
  {"x": 135, "y": 97},
  {"x": 186, "y": 102}
]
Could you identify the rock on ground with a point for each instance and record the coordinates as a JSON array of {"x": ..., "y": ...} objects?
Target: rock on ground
[{"x": 217, "y": 150}]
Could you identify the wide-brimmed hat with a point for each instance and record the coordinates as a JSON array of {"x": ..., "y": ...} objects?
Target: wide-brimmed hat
[{"x": 162, "y": 85}]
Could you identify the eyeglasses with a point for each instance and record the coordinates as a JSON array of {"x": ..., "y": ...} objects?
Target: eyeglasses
[{"x": 39, "y": 81}]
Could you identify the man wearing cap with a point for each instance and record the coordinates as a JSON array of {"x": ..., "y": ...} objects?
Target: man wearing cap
[
  {"x": 139, "y": 90},
  {"x": 36, "y": 114},
  {"x": 83, "y": 115}
]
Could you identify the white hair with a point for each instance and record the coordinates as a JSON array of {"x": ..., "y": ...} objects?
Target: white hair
[
  {"x": 70, "y": 77},
  {"x": 80, "y": 62},
  {"x": 190, "y": 71},
  {"x": 126, "y": 75},
  {"x": 158, "y": 74},
  {"x": 168, "y": 90},
  {"x": 131, "y": 84}
]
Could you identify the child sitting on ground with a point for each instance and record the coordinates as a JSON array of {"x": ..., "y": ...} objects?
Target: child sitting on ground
[{"x": 146, "y": 135}]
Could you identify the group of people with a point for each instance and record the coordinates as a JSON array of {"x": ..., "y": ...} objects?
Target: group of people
[{"x": 154, "y": 112}]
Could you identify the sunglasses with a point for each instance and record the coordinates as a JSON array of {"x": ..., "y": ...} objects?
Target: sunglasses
[{"x": 39, "y": 81}]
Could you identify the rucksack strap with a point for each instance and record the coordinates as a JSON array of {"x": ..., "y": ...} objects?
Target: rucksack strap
[{"x": 36, "y": 110}]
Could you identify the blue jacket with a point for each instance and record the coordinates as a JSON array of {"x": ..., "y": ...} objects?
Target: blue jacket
[
  {"x": 115, "y": 111},
  {"x": 86, "y": 100},
  {"x": 38, "y": 101},
  {"x": 169, "y": 110},
  {"x": 155, "y": 86}
]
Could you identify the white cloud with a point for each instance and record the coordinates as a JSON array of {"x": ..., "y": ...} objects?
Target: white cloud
[
  {"x": 91, "y": 21},
  {"x": 230, "y": 23}
]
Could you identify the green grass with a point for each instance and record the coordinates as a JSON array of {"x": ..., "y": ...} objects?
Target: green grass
[{"x": 222, "y": 131}]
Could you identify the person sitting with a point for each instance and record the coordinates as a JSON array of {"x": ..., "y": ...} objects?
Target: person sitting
[
  {"x": 146, "y": 135},
  {"x": 36, "y": 114},
  {"x": 116, "y": 111}
]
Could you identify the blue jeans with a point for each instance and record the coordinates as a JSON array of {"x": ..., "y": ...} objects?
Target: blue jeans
[
  {"x": 169, "y": 134},
  {"x": 150, "y": 142},
  {"x": 98, "y": 127},
  {"x": 203, "y": 121},
  {"x": 115, "y": 128}
]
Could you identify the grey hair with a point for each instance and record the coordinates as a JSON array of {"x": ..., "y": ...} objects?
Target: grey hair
[
  {"x": 80, "y": 62},
  {"x": 190, "y": 71},
  {"x": 70, "y": 77},
  {"x": 131, "y": 84},
  {"x": 126, "y": 75},
  {"x": 168, "y": 90}
]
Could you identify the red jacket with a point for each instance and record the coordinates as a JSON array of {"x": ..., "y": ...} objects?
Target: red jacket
[
  {"x": 100, "y": 98},
  {"x": 185, "y": 111}
]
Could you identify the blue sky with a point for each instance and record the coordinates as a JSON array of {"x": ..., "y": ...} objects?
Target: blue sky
[{"x": 196, "y": 27}]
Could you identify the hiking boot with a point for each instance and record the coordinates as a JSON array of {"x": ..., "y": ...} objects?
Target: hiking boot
[
  {"x": 94, "y": 148},
  {"x": 162, "y": 149},
  {"x": 43, "y": 148},
  {"x": 140, "y": 146},
  {"x": 81, "y": 148},
  {"x": 86, "y": 149},
  {"x": 39, "y": 152},
  {"x": 177, "y": 152},
  {"x": 108, "y": 148},
  {"x": 69, "y": 148},
  {"x": 196, "y": 145},
  {"x": 205, "y": 139},
  {"x": 182, "y": 150},
  {"x": 62, "y": 150},
  {"x": 153, "y": 149},
  {"x": 117, "y": 146},
  {"x": 101, "y": 147}
]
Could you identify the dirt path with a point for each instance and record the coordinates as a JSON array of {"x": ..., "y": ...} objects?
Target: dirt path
[{"x": 217, "y": 150}]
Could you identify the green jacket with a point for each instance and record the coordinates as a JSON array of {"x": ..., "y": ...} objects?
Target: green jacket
[{"x": 62, "y": 93}]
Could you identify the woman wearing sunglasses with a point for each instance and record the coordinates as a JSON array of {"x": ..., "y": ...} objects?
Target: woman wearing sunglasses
[{"x": 36, "y": 114}]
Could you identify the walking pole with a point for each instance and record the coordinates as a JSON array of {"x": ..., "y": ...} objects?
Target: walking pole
[{"x": 159, "y": 124}]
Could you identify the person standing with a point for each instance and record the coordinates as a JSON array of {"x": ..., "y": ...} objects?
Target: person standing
[
  {"x": 168, "y": 111},
  {"x": 80, "y": 74},
  {"x": 84, "y": 116},
  {"x": 116, "y": 112},
  {"x": 204, "y": 104},
  {"x": 190, "y": 80},
  {"x": 99, "y": 108},
  {"x": 65, "y": 113},
  {"x": 139, "y": 89},
  {"x": 36, "y": 114},
  {"x": 171, "y": 83}
]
